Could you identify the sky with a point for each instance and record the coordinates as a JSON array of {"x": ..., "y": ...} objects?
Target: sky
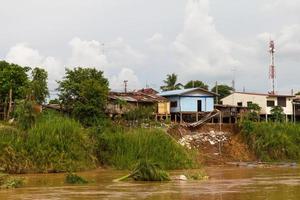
[{"x": 142, "y": 41}]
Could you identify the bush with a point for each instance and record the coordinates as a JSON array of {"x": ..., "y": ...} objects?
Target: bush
[
  {"x": 57, "y": 143},
  {"x": 273, "y": 141},
  {"x": 139, "y": 114},
  {"x": 146, "y": 170},
  {"x": 26, "y": 114},
  {"x": 72, "y": 178},
  {"x": 121, "y": 148},
  {"x": 54, "y": 144}
]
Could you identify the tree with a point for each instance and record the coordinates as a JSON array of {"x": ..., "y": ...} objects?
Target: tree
[
  {"x": 223, "y": 91},
  {"x": 14, "y": 85},
  {"x": 254, "y": 111},
  {"x": 171, "y": 83},
  {"x": 13, "y": 77},
  {"x": 38, "y": 86},
  {"x": 298, "y": 93},
  {"x": 277, "y": 114},
  {"x": 83, "y": 94},
  {"x": 196, "y": 84}
]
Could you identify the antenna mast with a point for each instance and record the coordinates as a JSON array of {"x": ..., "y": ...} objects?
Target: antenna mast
[
  {"x": 125, "y": 85},
  {"x": 272, "y": 72}
]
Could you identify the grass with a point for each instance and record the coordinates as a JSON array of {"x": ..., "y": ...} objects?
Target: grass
[
  {"x": 146, "y": 170},
  {"x": 273, "y": 141},
  {"x": 122, "y": 148},
  {"x": 7, "y": 182},
  {"x": 54, "y": 144},
  {"x": 72, "y": 178}
]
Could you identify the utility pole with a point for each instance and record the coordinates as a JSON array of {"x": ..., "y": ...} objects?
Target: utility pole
[{"x": 125, "y": 85}]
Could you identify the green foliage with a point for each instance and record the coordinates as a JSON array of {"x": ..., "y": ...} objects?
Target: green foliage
[
  {"x": 120, "y": 147},
  {"x": 72, "y": 178},
  {"x": 83, "y": 93},
  {"x": 13, "y": 77},
  {"x": 272, "y": 141},
  {"x": 223, "y": 91},
  {"x": 8, "y": 182},
  {"x": 277, "y": 114},
  {"x": 171, "y": 83},
  {"x": 38, "y": 85},
  {"x": 54, "y": 101},
  {"x": 196, "y": 175},
  {"x": 139, "y": 114},
  {"x": 54, "y": 144},
  {"x": 25, "y": 114},
  {"x": 57, "y": 144},
  {"x": 196, "y": 84},
  {"x": 146, "y": 170},
  {"x": 254, "y": 112}
]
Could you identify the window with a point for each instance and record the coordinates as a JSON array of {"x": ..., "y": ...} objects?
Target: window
[
  {"x": 270, "y": 103},
  {"x": 249, "y": 103},
  {"x": 281, "y": 101},
  {"x": 240, "y": 104},
  {"x": 173, "y": 104}
]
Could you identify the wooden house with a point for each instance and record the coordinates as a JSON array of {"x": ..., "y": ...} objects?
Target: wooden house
[
  {"x": 119, "y": 103},
  {"x": 189, "y": 104}
]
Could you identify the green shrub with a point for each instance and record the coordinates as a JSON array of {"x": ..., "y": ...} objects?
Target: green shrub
[
  {"x": 72, "y": 178},
  {"x": 121, "y": 148},
  {"x": 57, "y": 143},
  {"x": 54, "y": 144},
  {"x": 273, "y": 141},
  {"x": 146, "y": 170}
]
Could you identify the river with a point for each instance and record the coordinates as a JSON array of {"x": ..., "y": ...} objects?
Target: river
[{"x": 225, "y": 183}]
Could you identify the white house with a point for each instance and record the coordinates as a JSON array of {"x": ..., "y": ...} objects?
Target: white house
[{"x": 265, "y": 101}]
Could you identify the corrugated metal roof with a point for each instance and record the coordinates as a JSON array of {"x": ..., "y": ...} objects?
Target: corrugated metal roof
[
  {"x": 184, "y": 91},
  {"x": 136, "y": 97}
]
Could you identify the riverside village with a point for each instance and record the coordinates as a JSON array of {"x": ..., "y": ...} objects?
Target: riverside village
[{"x": 72, "y": 129}]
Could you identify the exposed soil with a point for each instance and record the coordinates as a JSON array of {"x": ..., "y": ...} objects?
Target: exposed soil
[{"x": 216, "y": 145}]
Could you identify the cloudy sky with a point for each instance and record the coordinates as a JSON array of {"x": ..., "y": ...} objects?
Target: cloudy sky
[{"x": 142, "y": 41}]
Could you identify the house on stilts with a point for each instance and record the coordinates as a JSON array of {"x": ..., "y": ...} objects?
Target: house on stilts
[{"x": 189, "y": 105}]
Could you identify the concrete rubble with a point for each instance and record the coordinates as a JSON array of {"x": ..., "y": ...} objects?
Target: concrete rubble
[{"x": 196, "y": 139}]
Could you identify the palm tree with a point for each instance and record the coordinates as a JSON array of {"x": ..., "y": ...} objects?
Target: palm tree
[
  {"x": 171, "y": 83},
  {"x": 196, "y": 84}
]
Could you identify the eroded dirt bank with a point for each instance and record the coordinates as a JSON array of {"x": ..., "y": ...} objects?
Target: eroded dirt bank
[{"x": 216, "y": 144}]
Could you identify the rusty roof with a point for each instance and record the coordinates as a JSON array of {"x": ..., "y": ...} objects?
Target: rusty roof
[{"x": 137, "y": 97}]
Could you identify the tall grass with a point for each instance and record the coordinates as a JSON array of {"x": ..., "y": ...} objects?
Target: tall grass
[
  {"x": 54, "y": 144},
  {"x": 273, "y": 141},
  {"x": 122, "y": 148}
]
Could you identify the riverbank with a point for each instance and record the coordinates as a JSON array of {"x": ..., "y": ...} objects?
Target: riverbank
[{"x": 57, "y": 143}]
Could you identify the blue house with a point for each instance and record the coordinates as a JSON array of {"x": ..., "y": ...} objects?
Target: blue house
[{"x": 190, "y": 101}]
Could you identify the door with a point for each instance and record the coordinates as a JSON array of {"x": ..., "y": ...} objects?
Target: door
[{"x": 199, "y": 106}]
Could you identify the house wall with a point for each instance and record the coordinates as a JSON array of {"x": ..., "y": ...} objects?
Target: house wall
[
  {"x": 163, "y": 108},
  {"x": 261, "y": 100},
  {"x": 174, "y": 109},
  {"x": 190, "y": 104}
]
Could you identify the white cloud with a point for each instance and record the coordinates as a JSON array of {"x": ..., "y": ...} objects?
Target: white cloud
[
  {"x": 117, "y": 82},
  {"x": 200, "y": 49},
  {"x": 22, "y": 54},
  {"x": 87, "y": 54}
]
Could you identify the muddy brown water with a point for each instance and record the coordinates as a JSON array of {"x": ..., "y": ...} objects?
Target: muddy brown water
[{"x": 225, "y": 183}]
